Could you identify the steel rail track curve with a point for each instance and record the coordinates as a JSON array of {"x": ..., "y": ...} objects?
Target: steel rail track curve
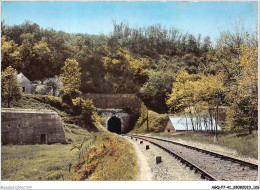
[{"x": 212, "y": 166}]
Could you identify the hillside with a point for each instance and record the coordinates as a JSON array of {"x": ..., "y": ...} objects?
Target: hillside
[{"x": 64, "y": 161}]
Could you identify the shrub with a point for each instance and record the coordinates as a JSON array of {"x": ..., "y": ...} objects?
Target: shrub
[
  {"x": 156, "y": 122},
  {"x": 87, "y": 111},
  {"x": 51, "y": 100},
  {"x": 84, "y": 110},
  {"x": 77, "y": 106},
  {"x": 83, "y": 107},
  {"x": 143, "y": 115}
]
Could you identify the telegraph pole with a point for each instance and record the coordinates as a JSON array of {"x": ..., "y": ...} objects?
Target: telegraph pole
[{"x": 147, "y": 129}]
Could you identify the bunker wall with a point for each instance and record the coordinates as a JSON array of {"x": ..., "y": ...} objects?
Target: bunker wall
[{"x": 31, "y": 128}]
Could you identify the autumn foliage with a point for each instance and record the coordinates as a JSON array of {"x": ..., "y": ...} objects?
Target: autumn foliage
[
  {"x": 244, "y": 93},
  {"x": 10, "y": 88},
  {"x": 70, "y": 77}
]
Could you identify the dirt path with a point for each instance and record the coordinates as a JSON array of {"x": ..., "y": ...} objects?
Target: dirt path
[
  {"x": 170, "y": 169},
  {"x": 144, "y": 173}
]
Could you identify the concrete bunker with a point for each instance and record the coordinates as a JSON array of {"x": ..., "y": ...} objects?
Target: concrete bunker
[
  {"x": 31, "y": 126},
  {"x": 114, "y": 125}
]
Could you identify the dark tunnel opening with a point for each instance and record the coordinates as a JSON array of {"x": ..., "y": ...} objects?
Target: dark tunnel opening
[{"x": 114, "y": 125}]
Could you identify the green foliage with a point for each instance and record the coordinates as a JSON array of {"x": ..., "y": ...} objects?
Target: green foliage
[
  {"x": 145, "y": 61},
  {"x": 53, "y": 101},
  {"x": 142, "y": 115},
  {"x": 10, "y": 88},
  {"x": 10, "y": 54},
  {"x": 126, "y": 72},
  {"x": 155, "y": 40},
  {"x": 182, "y": 95},
  {"x": 155, "y": 89},
  {"x": 194, "y": 90},
  {"x": 84, "y": 107},
  {"x": 70, "y": 77},
  {"x": 88, "y": 117},
  {"x": 244, "y": 94},
  {"x": 156, "y": 122}
]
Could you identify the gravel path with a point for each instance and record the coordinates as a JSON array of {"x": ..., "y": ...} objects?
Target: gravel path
[
  {"x": 144, "y": 173},
  {"x": 169, "y": 169},
  {"x": 211, "y": 147}
]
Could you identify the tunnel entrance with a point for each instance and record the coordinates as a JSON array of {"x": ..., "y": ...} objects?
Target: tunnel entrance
[{"x": 114, "y": 125}]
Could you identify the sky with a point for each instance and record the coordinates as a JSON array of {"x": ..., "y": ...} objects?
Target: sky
[{"x": 205, "y": 18}]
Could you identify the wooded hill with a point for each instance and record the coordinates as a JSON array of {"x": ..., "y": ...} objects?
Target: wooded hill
[{"x": 165, "y": 67}]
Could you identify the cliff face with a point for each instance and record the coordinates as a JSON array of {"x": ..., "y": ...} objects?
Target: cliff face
[{"x": 29, "y": 126}]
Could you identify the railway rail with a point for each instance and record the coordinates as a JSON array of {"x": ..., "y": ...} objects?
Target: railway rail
[{"x": 211, "y": 166}]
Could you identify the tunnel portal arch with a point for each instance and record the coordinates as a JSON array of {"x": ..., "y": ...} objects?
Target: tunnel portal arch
[
  {"x": 121, "y": 115},
  {"x": 114, "y": 125}
]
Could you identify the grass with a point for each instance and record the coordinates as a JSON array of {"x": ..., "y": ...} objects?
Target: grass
[
  {"x": 37, "y": 162},
  {"x": 42, "y": 162},
  {"x": 106, "y": 157},
  {"x": 27, "y": 103},
  {"x": 116, "y": 159},
  {"x": 110, "y": 158},
  {"x": 244, "y": 143},
  {"x": 156, "y": 123}
]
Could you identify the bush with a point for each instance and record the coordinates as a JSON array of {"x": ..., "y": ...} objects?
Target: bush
[
  {"x": 87, "y": 111},
  {"x": 156, "y": 122},
  {"x": 143, "y": 115},
  {"x": 83, "y": 107},
  {"x": 51, "y": 100},
  {"x": 83, "y": 111},
  {"x": 77, "y": 106}
]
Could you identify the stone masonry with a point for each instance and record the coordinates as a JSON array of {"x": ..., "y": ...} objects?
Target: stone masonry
[{"x": 119, "y": 113}]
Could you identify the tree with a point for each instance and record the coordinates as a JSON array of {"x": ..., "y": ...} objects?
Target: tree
[
  {"x": 244, "y": 93},
  {"x": 70, "y": 77},
  {"x": 10, "y": 88},
  {"x": 155, "y": 89},
  {"x": 124, "y": 71},
  {"x": 52, "y": 85},
  {"x": 197, "y": 94},
  {"x": 182, "y": 95},
  {"x": 10, "y": 54}
]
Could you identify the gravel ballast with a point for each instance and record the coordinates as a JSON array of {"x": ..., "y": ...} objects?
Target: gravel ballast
[
  {"x": 210, "y": 147},
  {"x": 170, "y": 169}
]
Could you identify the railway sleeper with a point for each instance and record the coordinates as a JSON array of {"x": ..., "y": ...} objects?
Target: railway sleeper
[
  {"x": 197, "y": 170},
  {"x": 210, "y": 153},
  {"x": 202, "y": 175}
]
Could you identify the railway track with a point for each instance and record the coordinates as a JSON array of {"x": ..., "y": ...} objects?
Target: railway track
[{"x": 212, "y": 166}]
